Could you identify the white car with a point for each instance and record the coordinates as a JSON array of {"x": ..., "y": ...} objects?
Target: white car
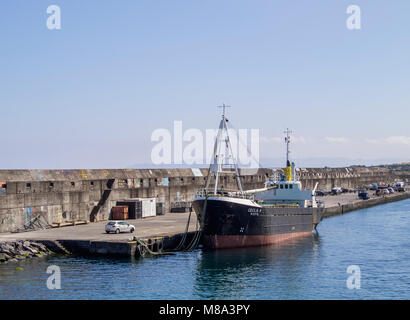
[{"x": 119, "y": 226}]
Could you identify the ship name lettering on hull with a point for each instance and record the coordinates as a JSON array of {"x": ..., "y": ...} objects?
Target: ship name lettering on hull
[{"x": 254, "y": 211}]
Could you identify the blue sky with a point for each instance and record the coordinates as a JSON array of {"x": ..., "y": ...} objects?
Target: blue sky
[{"x": 90, "y": 95}]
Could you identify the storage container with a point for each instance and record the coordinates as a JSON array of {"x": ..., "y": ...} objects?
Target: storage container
[{"x": 119, "y": 213}]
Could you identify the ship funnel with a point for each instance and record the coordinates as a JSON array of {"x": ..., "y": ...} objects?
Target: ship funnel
[{"x": 288, "y": 172}]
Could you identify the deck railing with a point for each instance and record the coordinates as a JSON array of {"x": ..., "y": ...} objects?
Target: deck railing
[{"x": 222, "y": 193}]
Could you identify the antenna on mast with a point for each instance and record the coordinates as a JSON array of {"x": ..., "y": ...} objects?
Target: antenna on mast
[
  {"x": 223, "y": 109},
  {"x": 287, "y": 141}
]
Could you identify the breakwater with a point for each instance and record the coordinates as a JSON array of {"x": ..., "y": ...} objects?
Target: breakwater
[
  {"x": 21, "y": 250},
  {"x": 43, "y": 198},
  {"x": 342, "y": 208}
]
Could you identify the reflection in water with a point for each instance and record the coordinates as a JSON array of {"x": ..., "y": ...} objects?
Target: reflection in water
[{"x": 230, "y": 273}]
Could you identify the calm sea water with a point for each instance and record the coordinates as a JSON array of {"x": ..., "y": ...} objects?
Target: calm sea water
[{"x": 375, "y": 239}]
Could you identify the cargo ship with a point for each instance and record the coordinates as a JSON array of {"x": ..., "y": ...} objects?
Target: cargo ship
[{"x": 279, "y": 211}]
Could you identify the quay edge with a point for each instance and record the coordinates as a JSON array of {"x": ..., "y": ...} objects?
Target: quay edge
[
  {"x": 362, "y": 204},
  {"x": 114, "y": 248}
]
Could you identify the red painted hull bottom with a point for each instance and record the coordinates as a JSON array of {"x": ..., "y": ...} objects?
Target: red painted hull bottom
[{"x": 233, "y": 241}]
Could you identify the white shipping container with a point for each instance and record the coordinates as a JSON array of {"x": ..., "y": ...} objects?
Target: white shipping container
[
  {"x": 144, "y": 207},
  {"x": 149, "y": 208}
]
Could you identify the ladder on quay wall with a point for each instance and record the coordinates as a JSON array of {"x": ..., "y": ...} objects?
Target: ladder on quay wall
[{"x": 106, "y": 193}]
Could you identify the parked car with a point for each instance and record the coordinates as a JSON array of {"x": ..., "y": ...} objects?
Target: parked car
[
  {"x": 119, "y": 226},
  {"x": 362, "y": 194},
  {"x": 399, "y": 184},
  {"x": 381, "y": 192},
  {"x": 374, "y": 186},
  {"x": 391, "y": 190},
  {"x": 336, "y": 191},
  {"x": 321, "y": 193}
]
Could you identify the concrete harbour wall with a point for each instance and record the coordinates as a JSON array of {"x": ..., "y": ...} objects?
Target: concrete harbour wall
[
  {"x": 68, "y": 196},
  {"x": 362, "y": 204}
]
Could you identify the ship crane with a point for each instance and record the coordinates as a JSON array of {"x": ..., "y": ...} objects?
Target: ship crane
[{"x": 218, "y": 158}]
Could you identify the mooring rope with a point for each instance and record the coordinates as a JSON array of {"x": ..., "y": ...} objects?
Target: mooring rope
[
  {"x": 195, "y": 239},
  {"x": 197, "y": 236},
  {"x": 145, "y": 245},
  {"x": 181, "y": 243}
]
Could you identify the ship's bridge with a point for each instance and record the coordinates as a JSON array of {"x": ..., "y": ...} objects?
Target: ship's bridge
[
  {"x": 285, "y": 192},
  {"x": 289, "y": 185}
]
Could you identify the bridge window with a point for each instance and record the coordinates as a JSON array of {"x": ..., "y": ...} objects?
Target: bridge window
[
  {"x": 281, "y": 186},
  {"x": 291, "y": 186},
  {"x": 286, "y": 186}
]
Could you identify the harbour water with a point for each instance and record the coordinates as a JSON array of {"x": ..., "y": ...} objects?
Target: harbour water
[{"x": 376, "y": 239}]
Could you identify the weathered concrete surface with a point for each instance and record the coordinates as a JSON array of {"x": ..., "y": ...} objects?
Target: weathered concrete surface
[
  {"x": 91, "y": 239},
  {"x": 170, "y": 223}
]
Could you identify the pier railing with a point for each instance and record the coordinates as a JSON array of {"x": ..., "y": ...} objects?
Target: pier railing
[{"x": 222, "y": 193}]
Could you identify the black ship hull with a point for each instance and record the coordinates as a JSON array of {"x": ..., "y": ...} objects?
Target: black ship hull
[{"x": 231, "y": 222}]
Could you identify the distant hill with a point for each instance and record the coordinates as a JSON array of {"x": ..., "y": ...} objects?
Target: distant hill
[{"x": 404, "y": 166}]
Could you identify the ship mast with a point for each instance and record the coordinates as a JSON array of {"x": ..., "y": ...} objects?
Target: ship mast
[
  {"x": 287, "y": 140},
  {"x": 290, "y": 168},
  {"x": 217, "y": 160}
]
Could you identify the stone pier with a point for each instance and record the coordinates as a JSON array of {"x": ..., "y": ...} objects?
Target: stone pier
[{"x": 63, "y": 197}]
